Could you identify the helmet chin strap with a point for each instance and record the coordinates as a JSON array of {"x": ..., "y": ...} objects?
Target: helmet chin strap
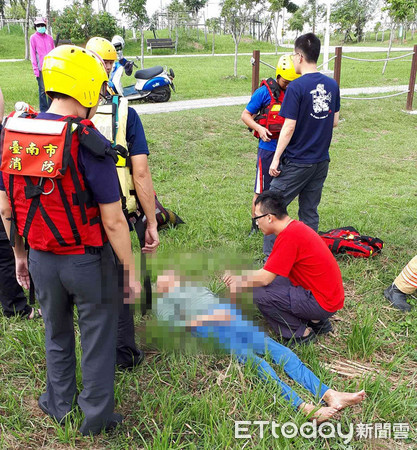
[{"x": 88, "y": 113}]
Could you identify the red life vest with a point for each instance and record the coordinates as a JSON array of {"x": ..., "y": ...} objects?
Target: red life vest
[
  {"x": 269, "y": 116},
  {"x": 51, "y": 206}
]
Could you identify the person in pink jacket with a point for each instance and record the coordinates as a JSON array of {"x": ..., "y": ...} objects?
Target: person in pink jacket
[{"x": 40, "y": 45}]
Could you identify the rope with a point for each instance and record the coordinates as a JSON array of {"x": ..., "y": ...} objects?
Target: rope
[
  {"x": 266, "y": 64},
  {"x": 378, "y": 60},
  {"x": 331, "y": 59},
  {"x": 374, "y": 98}
]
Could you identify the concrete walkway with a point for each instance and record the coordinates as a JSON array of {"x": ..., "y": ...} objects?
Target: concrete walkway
[{"x": 158, "y": 108}]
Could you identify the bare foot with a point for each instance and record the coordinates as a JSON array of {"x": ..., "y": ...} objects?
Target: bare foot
[
  {"x": 341, "y": 400},
  {"x": 321, "y": 414}
]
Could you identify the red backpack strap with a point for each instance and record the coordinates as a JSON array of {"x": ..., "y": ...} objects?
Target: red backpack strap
[{"x": 273, "y": 89}]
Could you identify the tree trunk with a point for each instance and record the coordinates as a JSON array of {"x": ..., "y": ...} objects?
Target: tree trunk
[
  {"x": 389, "y": 48},
  {"x": 142, "y": 47},
  {"x": 212, "y": 45},
  {"x": 236, "y": 48},
  {"x": 27, "y": 30},
  {"x": 176, "y": 38},
  {"x": 48, "y": 16}
]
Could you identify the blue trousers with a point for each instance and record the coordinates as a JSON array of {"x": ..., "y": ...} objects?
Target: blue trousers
[{"x": 245, "y": 340}]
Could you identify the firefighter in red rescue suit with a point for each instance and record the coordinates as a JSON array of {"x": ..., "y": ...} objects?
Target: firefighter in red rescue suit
[
  {"x": 59, "y": 190},
  {"x": 262, "y": 116}
]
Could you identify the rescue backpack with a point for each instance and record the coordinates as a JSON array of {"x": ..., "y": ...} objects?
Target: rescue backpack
[
  {"x": 51, "y": 205},
  {"x": 269, "y": 116},
  {"x": 111, "y": 120},
  {"x": 348, "y": 240}
]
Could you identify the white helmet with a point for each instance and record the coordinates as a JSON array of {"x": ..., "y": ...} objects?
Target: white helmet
[{"x": 118, "y": 42}]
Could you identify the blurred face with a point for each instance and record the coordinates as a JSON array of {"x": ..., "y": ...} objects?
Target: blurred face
[
  {"x": 108, "y": 65},
  {"x": 283, "y": 83}
]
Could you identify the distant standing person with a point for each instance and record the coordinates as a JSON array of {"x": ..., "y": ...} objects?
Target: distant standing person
[
  {"x": 311, "y": 110},
  {"x": 262, "y": 116},
  {"x": 40, "y": 45}
]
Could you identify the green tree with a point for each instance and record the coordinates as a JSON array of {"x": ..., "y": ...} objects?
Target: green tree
[
  {"x": 297, "y": 20},
  {"x": 135, "y": 11},
  {"x": 213, "y": 24},
  {"x": 401, "y": 12},
  {"x": 194, "y": 6},
  {"x": 17, "y": 10},
  {"x": 351, "y": 16},
  {"x": 177, "y": 14},
  {"x": 105, "y": 25},
  {"x": 313, "y": 13},
  {"x": 276, "y": 9},
  {"x": 236, "y": 14},
  {"x": 77, "y": 22}
]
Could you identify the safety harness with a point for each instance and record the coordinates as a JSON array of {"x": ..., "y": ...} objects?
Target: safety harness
[
  {"x": 51, "y": 205},
  {"x": 269, "y": 116}
]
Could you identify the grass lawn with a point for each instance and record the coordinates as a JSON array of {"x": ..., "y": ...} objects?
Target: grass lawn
[
  {"x": 203, "y": 165},
  {"x": 206, "y": 77}
]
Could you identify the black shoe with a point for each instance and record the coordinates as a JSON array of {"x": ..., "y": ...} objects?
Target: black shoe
[
  {"x": 254, "y": 229},
  {"x": 132, "y": 361},
  {"x": 115, "y": 420},
  {"x": 322, "y": 327},
  {"x": 291, "y": 342},
  {"x": 397, "y": 298}
]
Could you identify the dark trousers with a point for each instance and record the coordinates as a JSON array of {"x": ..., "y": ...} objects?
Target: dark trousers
[
  {"x": 89, "y": 282},
  {"x": 288, "y": 308},
  {"x": 44, "y": 101},
  {"x": 12, "y": 297},
  {"x": 306, "y": 181},
  {"x": 127, "y": 354}
]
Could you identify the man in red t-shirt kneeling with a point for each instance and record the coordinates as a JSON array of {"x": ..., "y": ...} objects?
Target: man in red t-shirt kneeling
[{"x": 300, "y": 286}]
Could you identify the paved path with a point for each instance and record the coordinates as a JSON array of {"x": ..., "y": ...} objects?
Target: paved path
[
  {"x": 157, "y": 108},
  {"x": 347, "y": 49}
]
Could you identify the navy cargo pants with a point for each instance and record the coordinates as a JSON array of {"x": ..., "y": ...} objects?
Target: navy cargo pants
[
  {"x": 306, "y": 181},
  {"x": 89, "y": 282}
]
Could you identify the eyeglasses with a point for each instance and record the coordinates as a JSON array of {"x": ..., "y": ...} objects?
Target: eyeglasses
[
  {"x": 295, "y": 54},
  {"x": 263, "y": 215}
]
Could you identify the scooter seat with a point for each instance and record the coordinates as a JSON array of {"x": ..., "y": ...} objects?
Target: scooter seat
[{"x": 146, "y": 74}]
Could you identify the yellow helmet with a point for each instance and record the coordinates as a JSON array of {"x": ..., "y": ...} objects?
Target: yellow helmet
[
  {"x": 76, "y": 72},
  {"x": 285, "y": 68},
  {"x": 104, "y": 48}
]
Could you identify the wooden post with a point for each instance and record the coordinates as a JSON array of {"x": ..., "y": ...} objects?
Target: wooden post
[
  {"x": 337, "y": 64},
  {"x": 412, "y": 83},
  {"x": 255, "y": 70}
]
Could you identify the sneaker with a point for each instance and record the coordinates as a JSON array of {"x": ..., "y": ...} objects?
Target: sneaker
[
  {"x": 322, "y": 327},
  {"x": 397, "y": 298}
]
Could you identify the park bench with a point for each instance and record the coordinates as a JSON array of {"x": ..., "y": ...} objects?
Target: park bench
[{"x": 159, "y": 43}]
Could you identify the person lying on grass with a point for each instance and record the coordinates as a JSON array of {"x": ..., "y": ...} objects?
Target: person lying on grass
[{"x": 207, "y": 316}]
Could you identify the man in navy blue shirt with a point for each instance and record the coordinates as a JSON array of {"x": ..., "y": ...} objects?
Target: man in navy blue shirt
[{"x": 311, "y": 110}]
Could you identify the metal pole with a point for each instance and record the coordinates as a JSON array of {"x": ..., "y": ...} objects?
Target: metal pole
[
  {"x": 412, "y": 83},
  {"x": 337, "y": 64},
  {"x": 327, "y": 39},
  {"x": 255, "y": 70}
]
